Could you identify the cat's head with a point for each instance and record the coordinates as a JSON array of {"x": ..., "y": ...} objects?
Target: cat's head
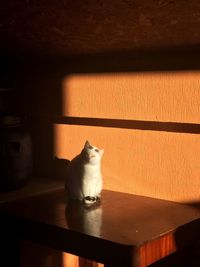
[{"x": 91, "y": 153}]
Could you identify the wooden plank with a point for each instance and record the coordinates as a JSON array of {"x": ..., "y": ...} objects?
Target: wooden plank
[{"x": 157, "y": 249}]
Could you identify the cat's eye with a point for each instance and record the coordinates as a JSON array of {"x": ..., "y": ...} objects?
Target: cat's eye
[
  {"x": 97, "y": 150},
  {"x": 90, "y": 147}
]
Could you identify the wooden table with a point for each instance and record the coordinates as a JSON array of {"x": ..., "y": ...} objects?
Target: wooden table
[
  {"x": 36, "y": 185},
  {"x": 123, "y": 230}
]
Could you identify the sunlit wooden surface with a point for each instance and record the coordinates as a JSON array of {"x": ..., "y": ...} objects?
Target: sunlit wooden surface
[{"x": 124, "y": 229}]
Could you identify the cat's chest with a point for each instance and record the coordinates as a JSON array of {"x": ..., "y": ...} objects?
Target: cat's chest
[{"x": 91, "y": 171}]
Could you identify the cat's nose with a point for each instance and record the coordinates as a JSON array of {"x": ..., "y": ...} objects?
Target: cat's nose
[{"x": 92, "y": 156}]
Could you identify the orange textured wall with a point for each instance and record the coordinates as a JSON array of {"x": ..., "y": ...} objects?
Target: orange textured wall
[
  {"x": 153, "y": 96},
  {"x": 162, "y": 165},
  {"x": 153, "y": 163}
]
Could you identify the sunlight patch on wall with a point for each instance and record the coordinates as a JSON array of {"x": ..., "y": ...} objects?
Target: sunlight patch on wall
[
  {"x": 152, "y": 163},
  {"x": 151, "y": 96}
]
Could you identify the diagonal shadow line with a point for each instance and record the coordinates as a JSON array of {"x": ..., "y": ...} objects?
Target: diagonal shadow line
[{"x": 177, "y": 127}]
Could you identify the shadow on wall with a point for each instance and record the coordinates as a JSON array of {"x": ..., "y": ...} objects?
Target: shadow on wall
[
  {"x": 154, "y": 59},
  {"x": 60, "y": 167},
  {"x": 176, "y": 127},
  {"x": 40, "y": 87},
  {"x": 40, "y": 84}
]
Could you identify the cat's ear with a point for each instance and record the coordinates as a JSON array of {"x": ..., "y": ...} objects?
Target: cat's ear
[
  {"x": 101, "y": 152},
  {"x": 87, "y": 144}
]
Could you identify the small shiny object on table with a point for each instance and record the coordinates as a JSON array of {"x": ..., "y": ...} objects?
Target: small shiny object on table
[{"x": 121, "y": 230}]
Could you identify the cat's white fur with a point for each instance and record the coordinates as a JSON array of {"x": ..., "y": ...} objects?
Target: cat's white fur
[{"x": 84, "y": 180}]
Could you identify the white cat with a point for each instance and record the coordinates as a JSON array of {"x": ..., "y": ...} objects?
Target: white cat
[{"x": 84, "y": 180}]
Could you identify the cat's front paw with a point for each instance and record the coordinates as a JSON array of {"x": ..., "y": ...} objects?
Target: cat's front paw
[{"x": 89, "y": 200}]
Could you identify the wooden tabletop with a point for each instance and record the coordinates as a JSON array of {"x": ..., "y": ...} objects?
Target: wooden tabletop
[
  {"x": 35, "y": 186},
  {"x": 137, "y": 230}
]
